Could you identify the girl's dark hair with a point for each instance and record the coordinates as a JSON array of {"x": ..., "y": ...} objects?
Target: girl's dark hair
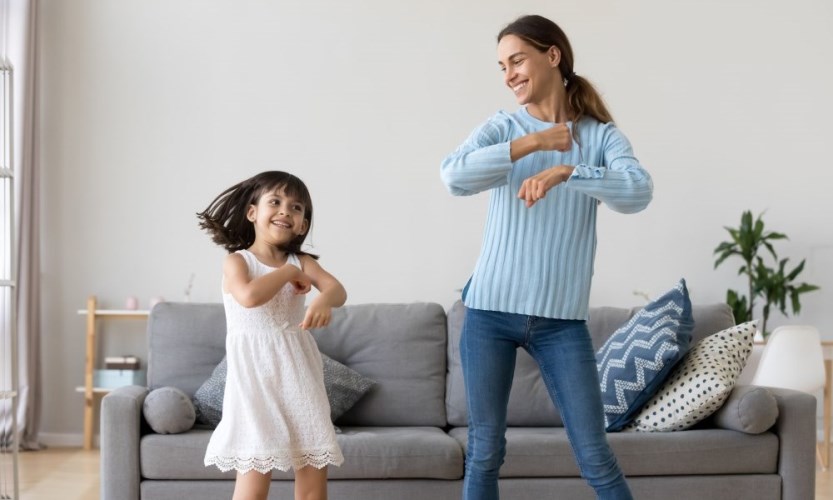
[
  {"x": 225, "y": 218},
  {"x": 542, "y": 34}
]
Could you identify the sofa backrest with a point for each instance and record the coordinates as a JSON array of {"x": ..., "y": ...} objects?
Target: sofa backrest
[
  {"x": 529, "y": 402},
  {"x": 185, "y": 343},
  {"x": 402, "y": 347}
]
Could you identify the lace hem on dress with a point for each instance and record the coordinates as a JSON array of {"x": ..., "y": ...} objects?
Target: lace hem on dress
[{"x": 264, "y": 465}]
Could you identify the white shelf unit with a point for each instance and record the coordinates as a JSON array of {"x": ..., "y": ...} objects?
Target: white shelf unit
[
  {"x": 91, "y": 393},
  {"x": 9, "y": 383}
]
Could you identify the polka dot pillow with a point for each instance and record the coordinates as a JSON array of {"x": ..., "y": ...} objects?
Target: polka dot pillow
[{"x": 700, "y": 384}]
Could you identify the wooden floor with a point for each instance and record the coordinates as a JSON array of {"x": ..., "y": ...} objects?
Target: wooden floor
[{"x": 72, "y": 474}]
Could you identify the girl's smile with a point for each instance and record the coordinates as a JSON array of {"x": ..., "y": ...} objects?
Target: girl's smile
[{"x": 278, "y": 216}]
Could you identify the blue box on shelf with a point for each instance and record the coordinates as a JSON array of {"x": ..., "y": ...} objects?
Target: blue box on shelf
[{"x": 112, "y": 379}]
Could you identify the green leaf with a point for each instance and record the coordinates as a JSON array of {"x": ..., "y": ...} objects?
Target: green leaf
[
  {"x": 804, "y": 288},
  {"x": 795, "y": 272},
  {"x": 768, "y": 246}
]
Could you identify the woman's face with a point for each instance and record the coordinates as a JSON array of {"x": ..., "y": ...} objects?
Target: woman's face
[{"x": 529, "y": 73}]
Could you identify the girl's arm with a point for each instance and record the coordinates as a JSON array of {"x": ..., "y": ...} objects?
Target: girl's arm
[
  {"x": 256, "y": 292},
  {"x": 332, "y": 294}
]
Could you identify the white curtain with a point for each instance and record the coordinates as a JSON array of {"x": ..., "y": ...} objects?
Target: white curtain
[{"x": 18, "y": 43}]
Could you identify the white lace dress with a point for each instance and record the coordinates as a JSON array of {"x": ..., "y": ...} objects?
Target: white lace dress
[{"x": 275, "y": 409}]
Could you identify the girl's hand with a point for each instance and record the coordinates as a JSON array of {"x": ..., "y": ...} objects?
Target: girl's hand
[
  {"x": 300, "y": 281},
  {"x": 556, "y": 138},
  {"x": 536, "y": 187},
  {"x": 300, "y": 288},
  {"x": 317, "y": 316}
]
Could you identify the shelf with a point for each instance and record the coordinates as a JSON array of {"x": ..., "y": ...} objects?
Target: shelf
[
  {"x": 121, "y": 313},
  {"x": 96, "y": 390},
  {"x": 89, "y": 390}
]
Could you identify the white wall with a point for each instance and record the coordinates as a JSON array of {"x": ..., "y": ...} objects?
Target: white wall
[{"x": 150, "y": 108}]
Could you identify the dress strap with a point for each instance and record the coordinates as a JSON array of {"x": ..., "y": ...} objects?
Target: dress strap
[
  {"x": 294, "y": 260},
  {"x": 249, "y": 257}
]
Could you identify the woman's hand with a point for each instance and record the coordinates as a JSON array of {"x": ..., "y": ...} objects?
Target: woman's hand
[
  {"x": 535, "y": 188},
  {"x": 556, "y": 138},
  {"x": 318, "y": 314}
]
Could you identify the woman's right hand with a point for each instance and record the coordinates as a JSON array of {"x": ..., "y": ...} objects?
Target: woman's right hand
[{"x": 556, "y": 138}]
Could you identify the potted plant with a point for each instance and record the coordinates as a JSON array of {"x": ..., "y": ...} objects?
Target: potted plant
[{"x": 775, "y": 286}]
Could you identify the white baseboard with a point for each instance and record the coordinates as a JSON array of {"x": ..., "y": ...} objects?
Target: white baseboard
[{"x": 56, "y": 440}]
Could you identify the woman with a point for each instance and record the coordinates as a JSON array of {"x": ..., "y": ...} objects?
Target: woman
[{"x": 548, "y": 166}]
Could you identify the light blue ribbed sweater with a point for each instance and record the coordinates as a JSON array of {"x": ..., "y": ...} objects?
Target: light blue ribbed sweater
[{"x": 539, "y": 260}]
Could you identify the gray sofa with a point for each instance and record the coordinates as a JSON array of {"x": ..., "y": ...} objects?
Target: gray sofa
[{"x": 406, "y": 438}]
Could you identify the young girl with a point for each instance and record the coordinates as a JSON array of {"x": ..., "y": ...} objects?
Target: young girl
[
  {"x": 548, "y": 165},
  {"x": 275, "y": 409}
]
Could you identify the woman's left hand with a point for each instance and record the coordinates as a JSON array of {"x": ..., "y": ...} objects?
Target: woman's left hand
[{"x": 535, "y": 188}]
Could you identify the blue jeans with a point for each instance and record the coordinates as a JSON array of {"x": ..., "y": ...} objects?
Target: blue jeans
[{"x": 564, "y": 353}]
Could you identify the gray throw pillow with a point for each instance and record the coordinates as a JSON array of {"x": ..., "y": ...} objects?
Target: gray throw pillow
[
  {"x": 750, "y": 409},
  {"x": 344, "y": 386},
  {"x": 168, "y": 410},
  {"x": 208, "y": 400}
]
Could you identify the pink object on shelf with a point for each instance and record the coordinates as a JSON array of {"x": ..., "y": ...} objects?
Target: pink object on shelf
[{"x": 132, "y": 303}]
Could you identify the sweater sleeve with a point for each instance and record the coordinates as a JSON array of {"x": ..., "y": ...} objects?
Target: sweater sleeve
[
  {"x": 621, "y": 183},
  {"x": 482, "y": 162}
]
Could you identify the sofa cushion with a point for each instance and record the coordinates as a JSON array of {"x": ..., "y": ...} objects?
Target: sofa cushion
[
  {"x": 636, "y": 359},
  {"x": 368, "y": 338},
  {"x": 529, "y": 402},
  {"x": 168, "y": 410},
  {"x": 185, "y": 343},
  {"x": 546, "y": 452},
  {"x": 369, "y": 453},
  {"x": 710, "y": 318},
  {"x": 400, "y": 346},
  {"x": 749, "y": 409},
  {"x": 344, "y": 387},
  {"x": 701, "y": 383}
]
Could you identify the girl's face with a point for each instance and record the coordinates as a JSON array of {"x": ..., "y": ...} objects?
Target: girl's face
[
  {"x": 278, "y": 218},
  {"x": 528, "y": 72}
]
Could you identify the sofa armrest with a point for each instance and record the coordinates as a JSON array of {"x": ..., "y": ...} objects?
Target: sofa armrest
[
  {"x": 121, "y": 423},
  {"x": 796, "y": 429}
]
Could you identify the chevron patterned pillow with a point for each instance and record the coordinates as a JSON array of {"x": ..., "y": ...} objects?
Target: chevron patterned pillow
[{"x": 638, "y": 357}]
